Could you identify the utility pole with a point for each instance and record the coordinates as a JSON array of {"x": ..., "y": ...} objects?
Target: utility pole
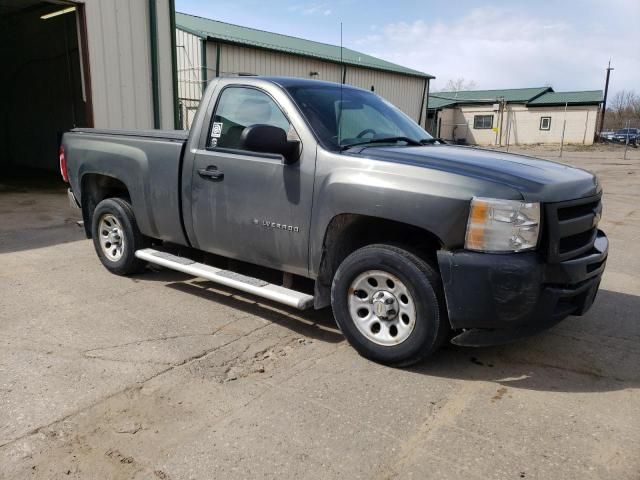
[{"x": 604, "y": 100}]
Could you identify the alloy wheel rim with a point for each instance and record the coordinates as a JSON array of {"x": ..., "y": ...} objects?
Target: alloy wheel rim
[
  {"x": 112, "y": 240},
  {"x": 381, "y": 307}
]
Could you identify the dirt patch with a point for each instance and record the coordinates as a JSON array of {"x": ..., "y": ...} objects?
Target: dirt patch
[
  {"x": 499, "y": 394},
  {"x": 255, "y": 359}
]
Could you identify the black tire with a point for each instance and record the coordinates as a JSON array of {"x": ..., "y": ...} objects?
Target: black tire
[
  {"x": 127, "y": 263},
  {"x": 431, "y": 326}
]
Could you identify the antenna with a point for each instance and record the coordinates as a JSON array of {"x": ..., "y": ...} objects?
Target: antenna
[
  {"x": 341, "y": 63},
  {"x": 341, "y": 85}
]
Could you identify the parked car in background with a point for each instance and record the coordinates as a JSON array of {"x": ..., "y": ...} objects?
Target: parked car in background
[
  {"x": 607, "y": 135},
  {"x": 627, "y": 135}
]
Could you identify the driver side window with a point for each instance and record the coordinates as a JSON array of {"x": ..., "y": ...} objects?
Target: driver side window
[{"x": 240, "y": 107}]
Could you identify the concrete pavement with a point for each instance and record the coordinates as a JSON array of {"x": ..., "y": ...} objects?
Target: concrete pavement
[{"x": 165, "y": 376}]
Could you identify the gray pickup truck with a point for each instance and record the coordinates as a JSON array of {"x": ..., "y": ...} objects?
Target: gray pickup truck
[{"x": 332, "y": 196}]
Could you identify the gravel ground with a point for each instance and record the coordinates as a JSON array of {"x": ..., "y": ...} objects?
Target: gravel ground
[{"x": 169, "y": 377}]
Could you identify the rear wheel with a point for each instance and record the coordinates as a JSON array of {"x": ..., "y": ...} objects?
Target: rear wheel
[
  {"x": 388, "y": 303},
  {"x": 116, "y": 236}
]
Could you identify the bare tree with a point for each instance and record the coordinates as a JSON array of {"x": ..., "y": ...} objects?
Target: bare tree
[
  {"x": 457, "y": 85},
  {"x": 623, "y": 107},
  {"x": 622, "y": 100},
  {"x": 635, "y": 107}
]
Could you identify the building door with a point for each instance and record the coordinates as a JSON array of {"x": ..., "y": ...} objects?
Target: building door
[{"x": 43, "y": 81}]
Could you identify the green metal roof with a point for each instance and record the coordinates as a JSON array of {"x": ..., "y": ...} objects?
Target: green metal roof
[
  {"x": 571, "y": 98},
  {"x": 511, "y": 95},
  {"x": 531, "y": 96},
  {"x": 227, "y": 32}
]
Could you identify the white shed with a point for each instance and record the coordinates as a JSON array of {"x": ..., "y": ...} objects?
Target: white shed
[{"x": 516, "y": 116}]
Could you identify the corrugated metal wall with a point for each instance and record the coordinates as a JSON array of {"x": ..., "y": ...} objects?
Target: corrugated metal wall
[
  {"x": 120, "y": 62},
  {"x": 236, "y": 59},
  {"x": 165, "y": 63},
  {"x": 404, "y": 91}
]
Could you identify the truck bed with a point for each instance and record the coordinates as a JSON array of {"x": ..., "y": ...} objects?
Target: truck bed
[
  {"x": 182, "y": 135},
  {"x": 148, "y": 162}
]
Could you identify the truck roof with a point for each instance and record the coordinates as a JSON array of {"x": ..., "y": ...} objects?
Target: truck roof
[{"x": 287, "y": 82}]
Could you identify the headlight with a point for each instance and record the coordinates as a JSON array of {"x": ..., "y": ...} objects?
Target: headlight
[{"x": 502, "y": 225}]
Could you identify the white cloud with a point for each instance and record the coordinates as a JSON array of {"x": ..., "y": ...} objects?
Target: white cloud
[
  {"x": 311, "y": 9},
  {"x": 506, "y": 48}
]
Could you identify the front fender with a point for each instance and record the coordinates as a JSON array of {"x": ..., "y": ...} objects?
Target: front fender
[{"x": 433, "y": 200}]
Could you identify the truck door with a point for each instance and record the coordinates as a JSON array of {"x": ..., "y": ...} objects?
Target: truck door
[{"x": 249, "y": 205}]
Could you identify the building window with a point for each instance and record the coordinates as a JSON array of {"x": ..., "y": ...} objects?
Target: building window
[
  {"x": 482, "y": 121},
  {"x": 545, "y": 123}
]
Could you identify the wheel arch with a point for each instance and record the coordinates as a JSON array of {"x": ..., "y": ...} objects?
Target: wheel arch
[
  {"x": 94, "y": 188},
  {"x": 347, "y": 232}
]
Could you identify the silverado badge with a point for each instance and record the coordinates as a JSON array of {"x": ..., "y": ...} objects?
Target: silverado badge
[{"x": 280, "y": 226}]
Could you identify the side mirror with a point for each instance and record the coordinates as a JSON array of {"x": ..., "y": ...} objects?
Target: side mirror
[{"x": 269, "y": 139}]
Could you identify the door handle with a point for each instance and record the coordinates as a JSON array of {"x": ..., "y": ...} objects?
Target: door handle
[{"x": 211, "y": 173}]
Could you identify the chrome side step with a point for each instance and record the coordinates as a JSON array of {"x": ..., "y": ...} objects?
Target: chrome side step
[{"x": 235, "y": 280}]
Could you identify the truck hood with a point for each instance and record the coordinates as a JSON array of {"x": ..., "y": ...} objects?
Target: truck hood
[{"x": 536, "y": 179}]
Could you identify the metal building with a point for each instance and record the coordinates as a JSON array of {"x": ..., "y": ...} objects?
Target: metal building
[
  {"x": 81, "y": 63},
  {"x": 207, "y": 49}
]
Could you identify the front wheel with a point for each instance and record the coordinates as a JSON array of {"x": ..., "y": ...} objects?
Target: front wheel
[
  {"x": 116, "y": 236},
  {"x": 388, "y": 304}
]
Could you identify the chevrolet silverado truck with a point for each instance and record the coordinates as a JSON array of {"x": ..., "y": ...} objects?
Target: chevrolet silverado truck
[{"x": 337, "y": 198}]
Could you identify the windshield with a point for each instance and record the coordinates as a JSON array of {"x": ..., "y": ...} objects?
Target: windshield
[{"x": 353, "y": 117}]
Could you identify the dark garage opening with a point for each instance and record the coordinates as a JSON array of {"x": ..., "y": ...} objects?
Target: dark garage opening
[{"x": 42, "y": 84}]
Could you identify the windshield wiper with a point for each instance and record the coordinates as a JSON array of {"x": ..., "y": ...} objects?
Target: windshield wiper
[
  {"x": 409, "y": 141},
  {"x": 430, "y": 141}
]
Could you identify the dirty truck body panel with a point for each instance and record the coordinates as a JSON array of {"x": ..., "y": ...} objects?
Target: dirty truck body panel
[
  {"x": 148, "y": 163},
  {"x": 188, "y": 188},
  {"x": 261, "y": 202}
]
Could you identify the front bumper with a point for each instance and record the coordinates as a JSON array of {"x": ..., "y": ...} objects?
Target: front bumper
[{"x": 497, "y": 298}]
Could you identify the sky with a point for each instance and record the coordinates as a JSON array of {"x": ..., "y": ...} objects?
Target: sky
[{"x": 494, "y": 44}]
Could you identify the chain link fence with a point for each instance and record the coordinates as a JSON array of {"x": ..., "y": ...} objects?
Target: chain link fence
[{"x": 191, "y": 87}]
